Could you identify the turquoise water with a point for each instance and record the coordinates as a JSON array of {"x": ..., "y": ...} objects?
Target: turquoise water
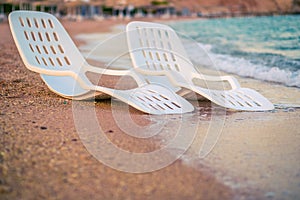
[{"x": 266, "y": 48}]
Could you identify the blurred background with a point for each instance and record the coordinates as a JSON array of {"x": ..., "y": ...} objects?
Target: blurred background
[{"x": 100, "y": 9}]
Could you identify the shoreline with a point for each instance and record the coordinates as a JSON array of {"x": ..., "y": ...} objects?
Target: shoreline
[{"x": 42, "y": 154}]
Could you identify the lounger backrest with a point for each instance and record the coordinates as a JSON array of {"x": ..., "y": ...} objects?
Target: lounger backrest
[
  {"x": 155, "y": 47},
  {"x": 43, "y": 42}
]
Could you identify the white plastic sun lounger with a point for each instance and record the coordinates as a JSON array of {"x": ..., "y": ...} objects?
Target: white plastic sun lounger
[
  {"x": 45, "y": 47},
  {"x": 156, "y": 50}
]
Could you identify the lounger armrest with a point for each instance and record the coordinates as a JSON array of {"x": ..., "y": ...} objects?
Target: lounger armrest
[
  {"x": 232, "y": 80},
  {"x": 112, "y": 72}
]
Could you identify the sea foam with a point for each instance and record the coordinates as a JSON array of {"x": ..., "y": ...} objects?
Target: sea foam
[{"x": 244, "y": 67}]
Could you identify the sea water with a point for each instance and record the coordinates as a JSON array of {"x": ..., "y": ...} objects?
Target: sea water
[{"x": 265, "y": 48}]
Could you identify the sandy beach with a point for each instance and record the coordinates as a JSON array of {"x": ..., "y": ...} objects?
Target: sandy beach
[{"x": 42, "y": 154}]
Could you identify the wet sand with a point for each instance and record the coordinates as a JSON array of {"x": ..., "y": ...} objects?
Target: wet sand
[{"x": 43, "y": 156}]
